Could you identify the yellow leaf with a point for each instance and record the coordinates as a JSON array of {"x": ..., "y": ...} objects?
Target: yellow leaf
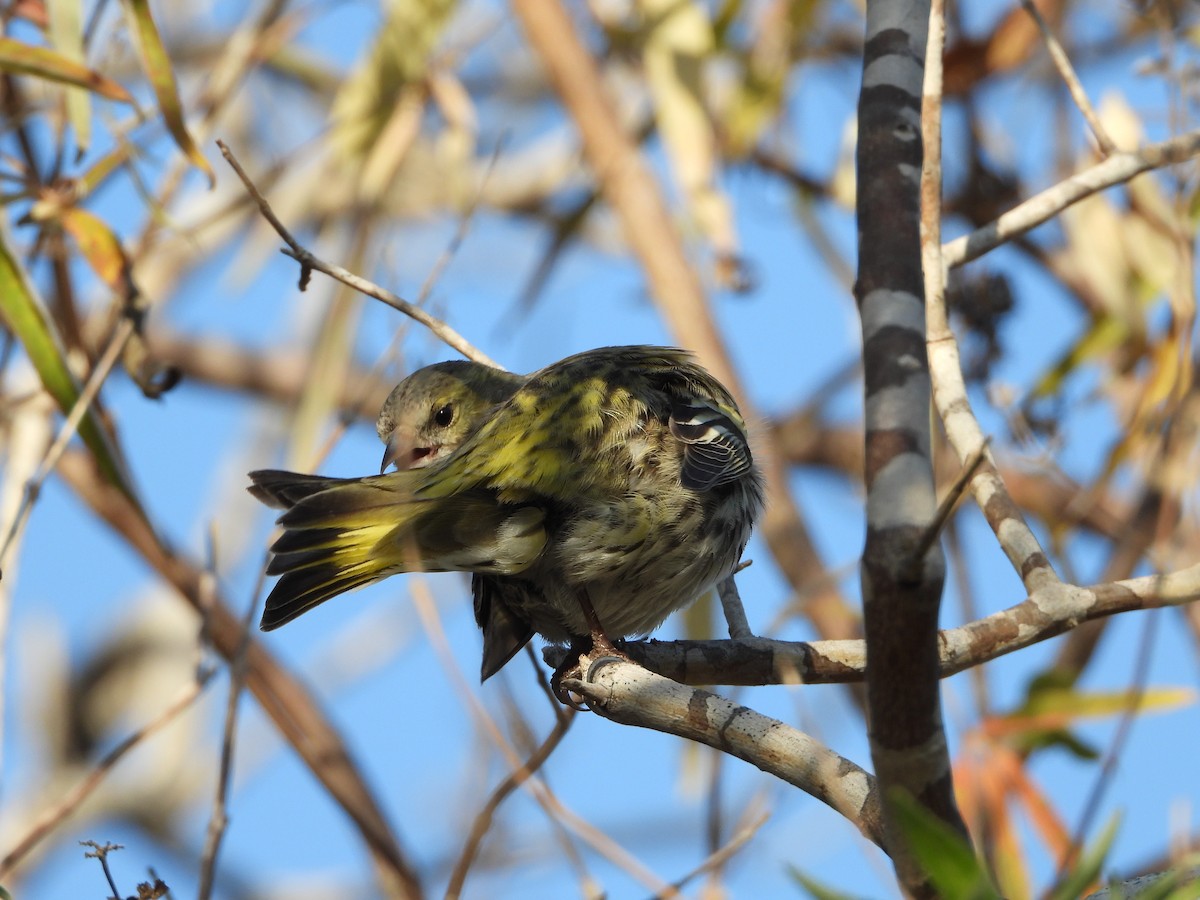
[
  {"x": 100, "y": 248},
  {"x": 677, "y": 49},
  {"x": 27, "y": 59},
  {"x": 157, "y": 66}
]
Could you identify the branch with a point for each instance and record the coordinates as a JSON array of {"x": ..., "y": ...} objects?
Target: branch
[
  {"x": 902, "y": 572},
  {"x": 1117, "y": 169},
  {"x": 1046, "y": 613},
  {"x": 1067, "y": 72},
  {"x": 308, "y": 262},
  {"x": 631, "y": 695}
]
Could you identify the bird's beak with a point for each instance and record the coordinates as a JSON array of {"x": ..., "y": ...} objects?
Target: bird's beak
[{"x": 402, "y": 452}]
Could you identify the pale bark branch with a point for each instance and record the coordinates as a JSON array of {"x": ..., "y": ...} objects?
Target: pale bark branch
[
  {"x": 631, "y": 695},
  {"x": 1048, "y": 612},
  {"x": 1117, "y": 169}
]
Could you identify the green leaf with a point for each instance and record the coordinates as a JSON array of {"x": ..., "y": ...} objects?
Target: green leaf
[
  {"x": 25, "y": 317},
  {"x": 157, "y": 66},
  {"x": 1087, "y": 870},
  {"x": 816, "y": 889},
  {"x": 942, "y": 853},
  {"x": 1101, "y": 704},
  {"x": 42, "y": 62}
]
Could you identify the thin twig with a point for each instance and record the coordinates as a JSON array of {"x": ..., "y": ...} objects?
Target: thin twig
[
  {"x": 69, "y": 426},
  {"x": 375, "y": 373},
  {"x": 483, "y": 819},
  {"x": 1117, "y": 169},
  {"x": 219, "y": 820},
  {"x": 735, "y": 612},
  {"x": 600, "y": 842},
  {"x": 946, "y": 507},
  {"x": 308, "y": 262},
  {"x": 1067, "y": 72},
  {"x": 723, "y": 854},
  {"x": 55, "y": 815},
  {"x": 1137, "y": 691},
  {"x": 100, "y": 852}
]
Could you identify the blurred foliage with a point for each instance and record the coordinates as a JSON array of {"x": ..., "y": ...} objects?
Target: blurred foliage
[{"x": 114, "y": 208}]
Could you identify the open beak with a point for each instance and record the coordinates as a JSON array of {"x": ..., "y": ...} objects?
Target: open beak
[{"x": 402, "y": 452}]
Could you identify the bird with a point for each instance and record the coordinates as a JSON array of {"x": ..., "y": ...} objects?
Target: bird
[{"x": 590, "y": 500}]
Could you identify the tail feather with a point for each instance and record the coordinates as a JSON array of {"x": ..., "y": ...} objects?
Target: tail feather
[
  {"x": 300, "y": 590},
  {"x": 336, "y": 536},
  {"x": 283, "y": 490},
  {"x": 339, "y": 534}
]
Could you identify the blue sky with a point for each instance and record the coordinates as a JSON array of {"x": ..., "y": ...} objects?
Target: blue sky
[{"x": 401, "y": 716}]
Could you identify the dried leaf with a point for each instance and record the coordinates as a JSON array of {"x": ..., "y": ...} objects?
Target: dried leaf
[
  {"x": 66, "y": 36},
  {"x": 27, "y": 59},
  {"x": 676, "y": 52},
  {"x": 100, "y": 248},
  {"x": 372, "y": 113},
  {"x": 157, "y": 66}
]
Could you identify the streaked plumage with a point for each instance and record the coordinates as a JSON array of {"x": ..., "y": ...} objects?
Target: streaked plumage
[{"x": 621, "y": 475}]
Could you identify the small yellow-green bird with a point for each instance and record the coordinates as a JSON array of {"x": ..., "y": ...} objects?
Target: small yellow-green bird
[{"x": 592, "y": 498}]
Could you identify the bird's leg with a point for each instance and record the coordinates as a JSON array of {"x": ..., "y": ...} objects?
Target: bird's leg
[{"x": 601, "y": 645}]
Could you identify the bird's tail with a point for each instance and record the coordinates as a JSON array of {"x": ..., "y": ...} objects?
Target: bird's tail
[
  {"x": 343, "y": 533},
  {"x": 339, "y": 534}
]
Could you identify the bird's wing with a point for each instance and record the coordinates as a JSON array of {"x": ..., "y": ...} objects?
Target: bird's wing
[{"x": 716, "y": 451}]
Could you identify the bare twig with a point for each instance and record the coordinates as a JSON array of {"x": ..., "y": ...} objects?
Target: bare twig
[
  {"x": 1117, "y": 169},
  {"x": 1046, "y": 613},
  {"x": 553, "y": 807},
  {"x": 308, "y": 262},
  {"x": 53, "y": 817},
  {"x": 723, "y": 854},
  {"x": 1067, "y": 72},
  {"x": 1137, "y": 690},
  {"x": 483, "y": 819},
  {"x": 70, "y": 425},
  {"x": 950, "y": 397},
  {"x": 735, "y": 612},
  {"x": 100, "y": 852},
  {"x": 219, "y": 819},
  {"x": 946, "y": 507}
]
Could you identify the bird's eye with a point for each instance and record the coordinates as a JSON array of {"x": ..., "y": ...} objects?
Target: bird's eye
[{"x": 444, "y": 416}]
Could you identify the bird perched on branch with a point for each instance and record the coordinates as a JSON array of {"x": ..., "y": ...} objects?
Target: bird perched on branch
[{"x": 590, "y": 499}]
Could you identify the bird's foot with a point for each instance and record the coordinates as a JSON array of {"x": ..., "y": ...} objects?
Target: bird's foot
[{"x": 597, "y": 646}]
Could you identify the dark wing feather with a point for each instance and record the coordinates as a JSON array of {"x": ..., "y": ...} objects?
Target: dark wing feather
[{"x": 716, "y": 451}]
